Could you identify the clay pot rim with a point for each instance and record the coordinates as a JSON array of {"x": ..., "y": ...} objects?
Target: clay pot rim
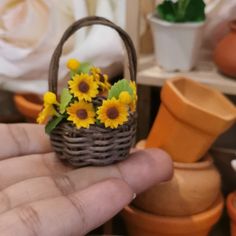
[
  {"x": 232, "y": 25},
  {"x": 21, "y": 100},
  {"x": 203, "y": 163},
  {"x": 231, "y": 205},
  {"x": 231, "y": 151},
  {"x": 183, "y": 220},
  {"x": 171, "y": 84}
]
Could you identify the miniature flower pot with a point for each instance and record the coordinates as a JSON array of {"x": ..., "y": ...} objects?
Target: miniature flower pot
[
  {"x": 224, "y": 55},
  {"x": 231, "y": 208},
  {"x": 176, "y": 45},
  {"x": 28, "y": 105},
  {"x": 190, "y": 118},
  {"x": 187, "y": 193},
  {"x": 145, "y": 224}
]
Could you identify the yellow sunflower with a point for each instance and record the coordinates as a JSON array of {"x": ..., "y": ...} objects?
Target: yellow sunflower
[
  {"x": 103, "y": 82},
  {"x": 83, "y": 87},
  {"x": 101, "y": 79},
  {"x": 96, "y": 72},
  {"x": 82, "y": 114},
  {"x": 112, "y": 113},
  {"x": 135, "y": 96}
]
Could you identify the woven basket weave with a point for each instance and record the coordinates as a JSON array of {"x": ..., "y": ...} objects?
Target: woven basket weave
[{"x": 95, "y": 145}]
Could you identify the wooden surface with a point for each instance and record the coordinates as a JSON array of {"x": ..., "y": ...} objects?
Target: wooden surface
[{"x": 205, "y": 73}]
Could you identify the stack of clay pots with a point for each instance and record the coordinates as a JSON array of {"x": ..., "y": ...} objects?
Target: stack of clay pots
[{"x": 190, "y": 118}]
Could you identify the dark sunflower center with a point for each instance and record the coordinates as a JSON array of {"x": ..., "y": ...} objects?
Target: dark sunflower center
[
  {"x": 102, "y": 79},
  {"x": 83, "y": 87},
  {"x": 112, "y": 113},
  {"x": 82, "y": 114}
]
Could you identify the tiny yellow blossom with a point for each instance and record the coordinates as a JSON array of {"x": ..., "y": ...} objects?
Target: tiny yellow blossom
[
  {"x": 47, "y": 112},
  {"x": 50, "y": 98},
  {"x": 73, "y": 64},
  {"x": 125, "y": 97}
]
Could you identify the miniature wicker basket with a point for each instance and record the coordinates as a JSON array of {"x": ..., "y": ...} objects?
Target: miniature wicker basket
[{"x": 95, "y": 145}]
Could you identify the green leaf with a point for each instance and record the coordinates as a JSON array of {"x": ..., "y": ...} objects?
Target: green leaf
[
  {"x": 65, "y": 100},
  {"x": 72, "y": 73},
  {"x": 182, "y": 10},
  {"x": 166, "y": 11},
  {"x": 84, "y": 67},
  {"x": 118, "y": 87},
  {"x": 195, "y": 11},
  {"x": 98, "y": 122},
  {"x": 52, "y": 124}
]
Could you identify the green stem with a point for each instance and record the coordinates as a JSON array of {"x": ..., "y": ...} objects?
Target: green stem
[{"x": 182, "y": 6}]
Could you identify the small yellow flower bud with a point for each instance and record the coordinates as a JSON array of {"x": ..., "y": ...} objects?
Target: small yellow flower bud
[
  {"x": 73, "y": 64},
  {"x": 125, "y": 97},
  {"x": 50, "y": 98}
]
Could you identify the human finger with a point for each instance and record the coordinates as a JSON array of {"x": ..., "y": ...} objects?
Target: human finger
[
  {"x": 75, "y": 214},
  {"x": 140, "y": 171},
  {"x": 18, "y": 169},
  {"x": 22, "y": 139}
]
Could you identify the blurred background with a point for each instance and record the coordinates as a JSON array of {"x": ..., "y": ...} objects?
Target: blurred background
[{"x": 31, "y": 29}]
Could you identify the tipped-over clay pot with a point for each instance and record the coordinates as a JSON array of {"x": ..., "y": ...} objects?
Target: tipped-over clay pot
[
  {"x": 225, "y": 52},
  {"x": 193, "y": 188},
  {"x": 231, "y": 207},
  {"x": 190, "y": 118},
  {"x": 140, "y": 223},
  {"x": 28, "y": 105}
]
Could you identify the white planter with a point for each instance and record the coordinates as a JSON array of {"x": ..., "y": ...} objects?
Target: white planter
[{"x": 176, "y": 45}]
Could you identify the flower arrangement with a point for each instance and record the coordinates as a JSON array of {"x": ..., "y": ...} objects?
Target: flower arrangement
[{"x": 79, "y": 103}]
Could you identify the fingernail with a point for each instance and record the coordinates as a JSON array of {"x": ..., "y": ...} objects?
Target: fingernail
[{"x": 134, "y": 196}]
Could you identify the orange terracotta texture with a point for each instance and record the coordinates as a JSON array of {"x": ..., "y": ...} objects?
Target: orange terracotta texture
[
  {"x": 190, "y": 118},
  {"x": 224, "y": 54},
  {"x": 231, "y": 207},
  {"x": 140, "y": 223},
  {"x": 29, "y": 105},
  {"x": 193, "y": 188}
]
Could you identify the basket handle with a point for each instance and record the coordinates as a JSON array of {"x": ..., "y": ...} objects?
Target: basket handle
[{"x": 87, "y": 21}]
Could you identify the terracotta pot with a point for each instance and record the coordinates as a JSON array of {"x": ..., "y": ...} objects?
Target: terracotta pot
[
  {"x": 190, "y": 118},
  {"x": 193, "y": 188},
  {"x": 140, "y": 223},
  {"x": 224, "y": 55},
  {"x": 231, "y": 208},
  {"x": 29, "y": 105}
]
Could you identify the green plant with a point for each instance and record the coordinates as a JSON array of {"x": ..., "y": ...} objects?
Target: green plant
[{"x": 182, "y": 10}]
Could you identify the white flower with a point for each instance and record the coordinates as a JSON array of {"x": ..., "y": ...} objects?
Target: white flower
[{"x": 31, "y": 29}]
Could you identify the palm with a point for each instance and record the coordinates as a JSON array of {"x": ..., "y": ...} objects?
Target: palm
[{"x": 39, "y": 195}]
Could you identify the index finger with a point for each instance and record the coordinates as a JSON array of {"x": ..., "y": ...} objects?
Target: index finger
[{"x": 22, "y": 139}]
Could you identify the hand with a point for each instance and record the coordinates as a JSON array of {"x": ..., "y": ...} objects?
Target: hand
[{"x": 41, "y": 196}]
